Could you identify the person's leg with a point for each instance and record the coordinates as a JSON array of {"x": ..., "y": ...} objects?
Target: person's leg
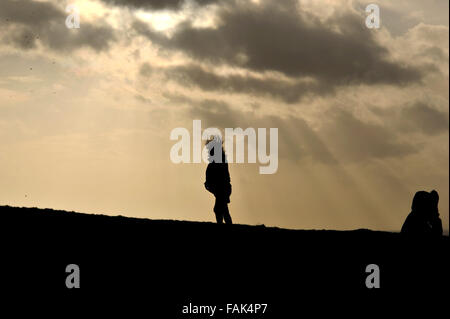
[
  {"x": 219, "y": 218},
  {"x": 218, "y": 210},
  {"x": 226, "y": 215}
]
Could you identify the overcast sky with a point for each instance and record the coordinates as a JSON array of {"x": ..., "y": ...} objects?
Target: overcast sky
[{"x": 362, "y": 114}]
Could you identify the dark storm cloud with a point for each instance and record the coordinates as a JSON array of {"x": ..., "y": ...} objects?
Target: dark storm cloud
[
  {"x": 415, "y": 117},
  {"x": 156, "y": 4},
  {"x": 355, "y": 140},
  {"x": 29, "y": 12},
  {"x": 434, "y": 53},
  {"x": 213, "y": 112},
  {"x": 216, "y": 113},
  {"x": 334, "y": 139},
  {"x": 287, "y": 91},
  {"x": 25, "y": 23},
  {"x": 273, "y": 36},
  {"x": 425, "y": 118},
  {"x": 297, "y": 140}
]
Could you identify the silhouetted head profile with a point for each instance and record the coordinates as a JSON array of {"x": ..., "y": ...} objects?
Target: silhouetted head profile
[
  {"x": 424, "y": 217},
  {"x": 421, "y": 202},
  {"x": 216, "y": 153}
]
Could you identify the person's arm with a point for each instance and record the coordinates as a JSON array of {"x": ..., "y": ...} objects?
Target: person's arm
[{"x": 209, "y": 183}]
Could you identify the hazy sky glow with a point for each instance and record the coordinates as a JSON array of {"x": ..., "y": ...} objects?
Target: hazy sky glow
[{"x": 362, "y": 114}]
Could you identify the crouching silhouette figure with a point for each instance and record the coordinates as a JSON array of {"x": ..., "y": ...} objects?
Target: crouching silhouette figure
[
  {"x": 424, "y": 217},
  {"x": 218, "y": 179}
]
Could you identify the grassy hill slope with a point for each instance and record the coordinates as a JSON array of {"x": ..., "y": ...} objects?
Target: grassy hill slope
[{"x": 176, "y": 262}]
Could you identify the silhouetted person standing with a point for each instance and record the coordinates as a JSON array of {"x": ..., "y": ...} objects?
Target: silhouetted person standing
[
  {"x": 218, "y": 180},
  {"x": 424, "y": 217}
]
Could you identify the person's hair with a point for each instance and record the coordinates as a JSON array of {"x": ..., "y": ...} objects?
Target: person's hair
[
  {"x": 213, "y": 141},
  {"x": 214, "y": 138},
  {"x": 434, "y": 196},
  {"x": 421, "y": 201}
]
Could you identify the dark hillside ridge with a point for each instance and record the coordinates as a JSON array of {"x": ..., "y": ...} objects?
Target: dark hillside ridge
[{"x": 171, "y": 263}]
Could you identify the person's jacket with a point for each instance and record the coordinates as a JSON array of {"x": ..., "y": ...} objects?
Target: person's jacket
[{"x": 218, "y": 178}]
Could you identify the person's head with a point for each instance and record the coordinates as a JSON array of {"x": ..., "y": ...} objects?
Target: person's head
[
  {"x": 421, "y": 202},
  {"x": 215, "y": 143}
]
